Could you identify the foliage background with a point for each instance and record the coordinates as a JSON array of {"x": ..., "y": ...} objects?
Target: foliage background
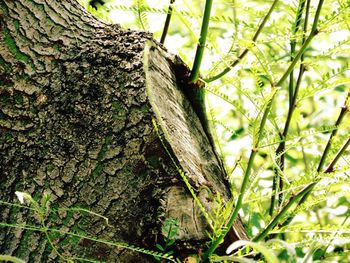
[{"x": 235, "y": 103}]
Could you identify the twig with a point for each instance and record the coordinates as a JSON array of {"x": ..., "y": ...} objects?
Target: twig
[
  {"x": 284, "y": 210},
  {"x": 313, "y": 33},
  {"x": 330, "y": 167},
  {"x": 277, "y": 185},
  {"x": 343, "y": 112},
  {"x": 245, "y": 52},
  {"x": 245, "y": 182},
  {"x": 167, "y": 21}
]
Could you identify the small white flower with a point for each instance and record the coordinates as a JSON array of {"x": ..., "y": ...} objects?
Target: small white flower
[{"x": 23, "y": 197}]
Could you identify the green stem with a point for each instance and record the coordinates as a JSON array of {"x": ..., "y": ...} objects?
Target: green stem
[
  {"x": 274, "y": 194},
  {"x": 325, "y": 152},
  {"x": 45, "y": 230},
  {"x": 294, "y": 199},
  {"x": 244, "y": 53},
  {"x": 328, "y": 170},
  {"x": 280, "y": 151},
  {"x": 201, "y": 43},
  {"x": 343, "y": 112},
  {"x": 101, "y": 241},
  {"x": 317, "y": 15},
  {"x": 277, "y": 185},
  {"x": 245, "y": 182},
  {"x": 167, "y": 22},
  {"x": 293, "y": 43},
  {"x": 235, "y": 34},
  {"x": 302, "y": 196},
  {"x": 225, "y": 230},
  {"x": 299, "y": 55},
  {"x": 7, "y": 258},
  {"x": 313, "y": 33},
  {"x": 291, "y": 79},
  {"x": 168, "y": 237},
  {"x": 283, "y": 212},
  {"x": 330, "y": 167},
  {"x": 337, "y": 233}
]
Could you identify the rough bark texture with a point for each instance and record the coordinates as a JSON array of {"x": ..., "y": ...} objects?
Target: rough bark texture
[{"x": 76, "y": 111}]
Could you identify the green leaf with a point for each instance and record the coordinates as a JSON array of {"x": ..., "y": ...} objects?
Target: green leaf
[
  {"x": 263, "y": 249},
  {"x": 170, "y": 242},
  {"x": 160, "y": 247}
]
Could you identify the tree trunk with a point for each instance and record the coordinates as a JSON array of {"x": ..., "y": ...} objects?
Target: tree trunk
[{"x": 94, "y": 116}]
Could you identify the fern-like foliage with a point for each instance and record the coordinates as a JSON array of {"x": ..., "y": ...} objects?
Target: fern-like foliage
[
  {"x": 41, "y": 211},
  {"x": 141, "y": 14}
]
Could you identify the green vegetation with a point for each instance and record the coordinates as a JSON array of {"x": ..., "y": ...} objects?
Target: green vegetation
[
  {"x": 42, "y": 209},
  {"x": 277, "y": 88},
  {"x": 7, "y": 258},
  {"x": 170, "y": 229},
  {"x": 201, "y": 42},
  {"x": 275, "y": 73}
]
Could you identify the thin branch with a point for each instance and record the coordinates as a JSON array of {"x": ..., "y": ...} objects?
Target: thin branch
[
  {"x": 343, "y": 112},
  {"x": 167, "y": 21},
  {"x": 293, "y": 43},
  {"x": 297, "y": 57},
  {"x": 277, "y": 185},
  {"x": 245, "y": 182},
  {"x": 245, "y": 52},
  {"x": 314, "y": 32},
  {"x": 306, "y": 191},
  {"x": 285, "y": 209},
  {"x": 330, "y": 167}
]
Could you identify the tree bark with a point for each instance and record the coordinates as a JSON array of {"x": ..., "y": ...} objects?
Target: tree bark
[{"x": 89, "y": 117}]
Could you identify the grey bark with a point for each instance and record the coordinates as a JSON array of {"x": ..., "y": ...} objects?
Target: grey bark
[{"x": 77, "y": 106}]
